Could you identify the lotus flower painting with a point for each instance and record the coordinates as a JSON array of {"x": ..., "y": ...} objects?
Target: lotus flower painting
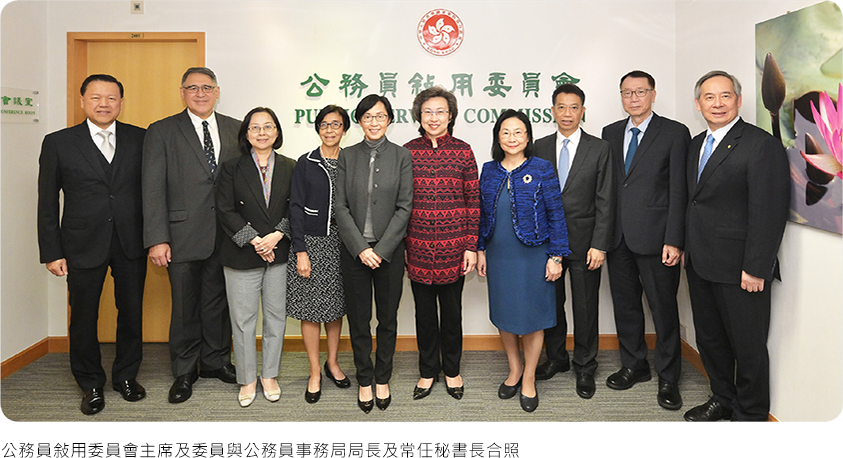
[{"x": 799, "y": 87}]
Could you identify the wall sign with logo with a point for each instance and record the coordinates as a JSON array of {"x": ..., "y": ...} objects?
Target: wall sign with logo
[
  {"x": 440, "y": 32},
  {"x": 19, "y": 106}
]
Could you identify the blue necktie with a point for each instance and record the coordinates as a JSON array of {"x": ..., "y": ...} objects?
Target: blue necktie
[
  {"x": 208, "y": 146},
  {"x": 633, "y": 145},
  {"x": 564, "y": 159},
  {"x": 709, "y": 142}
]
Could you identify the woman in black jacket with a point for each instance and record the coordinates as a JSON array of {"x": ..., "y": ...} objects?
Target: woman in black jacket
[{"x": 252, "y": 208}]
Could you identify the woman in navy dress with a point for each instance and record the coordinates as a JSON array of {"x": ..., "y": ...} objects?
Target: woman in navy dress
[{"x": 522, "y": 240}]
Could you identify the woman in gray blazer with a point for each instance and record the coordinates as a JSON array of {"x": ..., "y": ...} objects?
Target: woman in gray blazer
[{"x": 374, "y": 200}]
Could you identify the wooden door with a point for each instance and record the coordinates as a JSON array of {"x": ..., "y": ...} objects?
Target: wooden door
[{"x": 150, "y": 66}]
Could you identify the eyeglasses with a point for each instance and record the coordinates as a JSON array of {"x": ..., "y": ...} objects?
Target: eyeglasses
[
  {"x": 193, "y": 89},
  {"x": 336, "y": 125},
  {"x": 269, "y": 128},
  {"x": 515, "y": 133},
  {"x": 438, "y": 114},
  {"x": 639, "y": 92},
  {"x": 381, "y": 117}
]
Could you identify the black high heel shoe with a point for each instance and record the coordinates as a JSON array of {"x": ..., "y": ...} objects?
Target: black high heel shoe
[
  {"x": 456, "y": 392},
  {"x": 419, "y": 393},
  {"x": 383, "y": 403},
  {"x": 365, "y": 406},
  {"x": 344, "y": 383}
]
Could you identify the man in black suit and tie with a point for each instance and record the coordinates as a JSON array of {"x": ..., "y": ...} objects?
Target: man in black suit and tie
[
  {"x": 182, "y": 154},
  {"x": 583, "y": 163},
  {"x": 97, "y": 166},
  {"x": 739, "y": 196},
  {"x": 648, "y": 157}
]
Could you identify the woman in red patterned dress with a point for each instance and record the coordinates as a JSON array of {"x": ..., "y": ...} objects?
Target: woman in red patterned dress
[{"x": 441, "y": 243}]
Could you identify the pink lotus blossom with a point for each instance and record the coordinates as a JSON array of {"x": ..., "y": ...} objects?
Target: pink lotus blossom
[{"x": 830, "y": 123}]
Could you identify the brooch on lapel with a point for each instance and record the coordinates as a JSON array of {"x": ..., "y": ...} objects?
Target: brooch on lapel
[{"x": 527, "y": 179}]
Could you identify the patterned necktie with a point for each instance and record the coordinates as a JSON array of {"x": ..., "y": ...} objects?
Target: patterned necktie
[
  {"x": 564, "y": 160},
  {"x": 105, "y": 147},
  {"x": 709, "y": 142},
  {"x": 209, "y": 149},
  {"x": 633, "y": 145}
]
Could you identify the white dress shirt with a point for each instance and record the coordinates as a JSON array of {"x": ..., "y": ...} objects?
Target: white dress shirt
[{"x": 212, "y": 128}]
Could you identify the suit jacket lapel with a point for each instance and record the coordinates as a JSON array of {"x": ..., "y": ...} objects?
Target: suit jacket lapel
[
  {"x": 724, "y": 148},
  {"x": 89, "y": 150},
  {"x": 649, "y": 135},
  {"x": 275, "y": 193},
  {"x": 119, "y": 152},
  {"x": 250, "y": 172},
  {"x": 189, "y": 132},
  {"x": 579, "y": 158}
]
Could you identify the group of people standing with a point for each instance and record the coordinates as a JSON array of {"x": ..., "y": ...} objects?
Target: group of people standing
[{"x": 242, "y": 228}]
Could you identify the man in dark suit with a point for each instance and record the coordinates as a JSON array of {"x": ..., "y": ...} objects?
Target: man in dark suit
[
  {"x": 182, "y": 154},
  {"x": 648, "y": 157},
  {"x": 739, "y": 196},
  {"x": 583, "y": 163},
  {"x": 97, "y": 166}
]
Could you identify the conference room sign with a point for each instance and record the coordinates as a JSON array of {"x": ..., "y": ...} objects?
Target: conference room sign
[{"x": 19, "y": 106}]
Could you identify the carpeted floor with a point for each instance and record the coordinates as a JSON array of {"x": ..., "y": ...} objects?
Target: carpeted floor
[{"x": 213, "y": 400}]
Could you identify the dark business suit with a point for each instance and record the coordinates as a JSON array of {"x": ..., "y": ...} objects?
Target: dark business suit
[
  {"x": 588, "y": 202},
  {"x": 392, "y": 200},
  {"x": 735, "y": 222},
  {"x": 178, "y": 208},
  {"x": 650, "y": 213},
  {"x": 101, "y": 227}
]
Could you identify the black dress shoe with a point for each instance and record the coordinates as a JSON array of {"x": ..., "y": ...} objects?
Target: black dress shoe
[
  {"x": 383, "y": 403},
  {"x": 547, "y": 369},
  {"x": 130, "y": 389},
  {"x": 365, "y": 406},
  {"x": 710, "y": 411},
  {"x": 344, "y": 383},
  {"x": 456, "y": 392},
  {"x": 182, "y": 388},
  {"x": 529, "y": 404},
  {"x": 669, "y": 396},
  {"x": 419, "y": 393},
  {"x": 312, "y": 398},
  {"x": 505, "y": 391},
  {"x": 585, "y": 385},
  {"x": 226, "y": 373},
  {"x": 93, "y": 401},
  {"x": 625, "y": 378}
]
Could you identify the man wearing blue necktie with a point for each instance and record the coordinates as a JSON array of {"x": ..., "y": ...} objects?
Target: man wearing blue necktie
[
  {"x": 583, "y": 164},
  {"x": 739, "y": 195},
  {"x": 648, "y": 157}
]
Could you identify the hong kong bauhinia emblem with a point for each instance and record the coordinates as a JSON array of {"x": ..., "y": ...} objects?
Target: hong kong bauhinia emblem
[{"x": 440, "y": 32}]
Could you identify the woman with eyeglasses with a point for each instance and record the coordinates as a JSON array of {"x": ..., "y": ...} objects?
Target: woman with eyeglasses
[
  {"x": 314, "y": 278},
  {"x": 522, "y": 240},
  {"x": 374, "y": 200},
  {"x": 252, "y": 207},
  {"x": 441, "y": 237}
]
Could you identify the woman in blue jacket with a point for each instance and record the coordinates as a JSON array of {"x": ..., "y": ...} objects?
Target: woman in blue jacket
[
  {"x": 315, "y": 293},
  {"x": 522, "y": 240}
]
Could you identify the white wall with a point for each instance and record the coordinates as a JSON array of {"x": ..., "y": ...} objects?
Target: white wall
[
  {"x": 261, "y": 51},
  {"x": 806, "y": 343},
  {"x": 24, "y": 313}
]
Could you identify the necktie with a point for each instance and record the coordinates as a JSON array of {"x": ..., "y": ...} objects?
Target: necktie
[
  {"x": 209, "y": 148},
  {"x": 105, "y": 147},
  {"x": 630, "y": 151},
  {"x": 709, "y": 142},
  {"x": 564, "y": 159}
]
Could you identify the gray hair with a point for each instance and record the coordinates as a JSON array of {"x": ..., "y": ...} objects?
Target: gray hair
[
  {"x": 203, "y": 70},
  {"x": 735, "y": 83}
]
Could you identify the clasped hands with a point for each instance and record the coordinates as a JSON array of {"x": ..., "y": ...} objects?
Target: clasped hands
[{"x": 265, "y": 246}]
